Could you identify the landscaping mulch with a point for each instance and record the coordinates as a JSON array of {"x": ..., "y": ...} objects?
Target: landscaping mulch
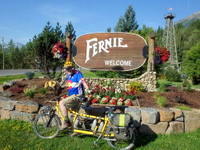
[{"x": 175, "y": 96}]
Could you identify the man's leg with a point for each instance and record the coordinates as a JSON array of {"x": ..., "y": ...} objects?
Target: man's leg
[{"x": 64, "y": 105}]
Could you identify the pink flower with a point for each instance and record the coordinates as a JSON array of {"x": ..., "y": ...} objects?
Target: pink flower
[{"x": 120, "y": 99}]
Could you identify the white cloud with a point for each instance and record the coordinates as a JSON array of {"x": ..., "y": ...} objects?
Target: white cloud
[{"x": 58, "y": 13}]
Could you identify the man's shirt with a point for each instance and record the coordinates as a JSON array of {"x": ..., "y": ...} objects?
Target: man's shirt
[{"x": 74, "y": 84}]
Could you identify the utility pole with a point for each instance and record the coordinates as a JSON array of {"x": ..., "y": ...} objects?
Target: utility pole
[{"x": 3, "y": 52}]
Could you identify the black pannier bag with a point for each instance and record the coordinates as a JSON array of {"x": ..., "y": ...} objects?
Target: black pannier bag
[{"x": 120, "y": 120}]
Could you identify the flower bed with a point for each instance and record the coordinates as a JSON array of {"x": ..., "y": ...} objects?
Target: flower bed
[{"x": 108, "y": 94}]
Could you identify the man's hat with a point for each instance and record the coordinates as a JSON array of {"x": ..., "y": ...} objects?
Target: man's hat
[{"x": 68, "y": 64}]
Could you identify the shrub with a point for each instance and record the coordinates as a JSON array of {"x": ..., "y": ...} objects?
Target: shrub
[
  {"x": 186, "y": 85},
  {"x": 172, "y": 74},
  {"x": 191, "y": 63},
  {"x": 30, "y": 75},
  {"x": 160, "y": 100},
  {"x": 42, "y": 91},
  {"x": 163, "y": 86},
  {"x": 135, "y": 86},
  {"x": 30, "y": 92}
]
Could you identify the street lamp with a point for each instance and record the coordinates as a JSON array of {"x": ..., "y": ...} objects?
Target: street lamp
[{"x": 3, "y": 52}]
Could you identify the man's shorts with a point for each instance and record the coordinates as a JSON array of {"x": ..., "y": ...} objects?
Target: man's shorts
[{"x": 71, "y": 102}]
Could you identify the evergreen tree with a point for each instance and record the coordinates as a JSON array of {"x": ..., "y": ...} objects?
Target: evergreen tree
[
  {"x": 191, "y": 63},
  {"x": 43, "y": 44},
  {"x": 159, "y": 35},
  {"x": 69, "y": 30},
  {"x": 58, "y": 32},
  {"x": 128, "y": 22},
  {"x": 145, "y": 32},
  {"x": 120, "y": 27},
  {"x": 109, "y": 30}
]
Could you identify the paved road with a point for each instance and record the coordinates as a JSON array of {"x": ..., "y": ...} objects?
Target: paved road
[{"x": 15, "y": 71}]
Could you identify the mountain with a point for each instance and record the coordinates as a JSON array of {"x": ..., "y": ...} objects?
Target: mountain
[{"x": 188, "y": 20}]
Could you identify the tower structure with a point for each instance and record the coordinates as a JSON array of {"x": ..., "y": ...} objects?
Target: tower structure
[{"x": 169, "y": 40}]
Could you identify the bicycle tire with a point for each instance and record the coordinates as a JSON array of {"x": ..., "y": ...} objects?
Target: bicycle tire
[
  {"x": 46, "y": 126},
  {"x": 130, "y": 145}
]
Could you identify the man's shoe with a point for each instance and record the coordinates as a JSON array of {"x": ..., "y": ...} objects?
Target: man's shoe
[
  {"x": 65, "y": 125},
  {"x": 74, "y": 134}
]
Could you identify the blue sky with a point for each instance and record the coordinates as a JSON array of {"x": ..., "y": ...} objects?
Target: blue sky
[{"x": 22, "y": 19}]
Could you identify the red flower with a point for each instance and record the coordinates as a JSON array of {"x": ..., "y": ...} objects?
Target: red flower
[
  {"x": 113, "y": 101},
  {"x": 94, "y": 101},
  {"x": 128, "y": 102},
  {"x": 163, "y": 53},
  {"x": 104, "y": 100},
  {"x": 108, "y": 97},
  {"x": 58, "y": 48}
]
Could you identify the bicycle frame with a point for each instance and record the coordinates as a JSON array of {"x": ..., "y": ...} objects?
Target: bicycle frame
[{"x": 95, "y": 132}]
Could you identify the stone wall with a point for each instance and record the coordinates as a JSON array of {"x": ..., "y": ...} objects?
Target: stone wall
[
  {"x": 11, "y": 109},
  {"x": 147, "y": 79},
  {"x": 165, "y": 121},
  {"x": 147, "y": 120}
]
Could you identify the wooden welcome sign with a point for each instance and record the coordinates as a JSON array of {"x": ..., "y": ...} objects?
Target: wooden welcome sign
[{"x": 110, "y": 51}]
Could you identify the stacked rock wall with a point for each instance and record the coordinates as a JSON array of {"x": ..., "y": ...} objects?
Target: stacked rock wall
[
  {"x": 147, "y": 120},
  {"x": 147, "y": 79},
  {"x": 165, "y": 121},
  {"x": 20, "y": 110}
]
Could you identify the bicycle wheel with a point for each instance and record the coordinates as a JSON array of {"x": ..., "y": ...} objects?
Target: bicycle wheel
[
  {"x": 46, "y": 126},
  {"x": 122, "y": 144}
]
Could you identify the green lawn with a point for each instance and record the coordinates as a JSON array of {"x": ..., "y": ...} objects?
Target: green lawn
[
  {"x": 177, "y": 84},
  {"x": 18, "y": 135},
  {"x": 89, "y": 74},
  {"x": 14, "y": 77},
  {"x": 21, "y": 76}
]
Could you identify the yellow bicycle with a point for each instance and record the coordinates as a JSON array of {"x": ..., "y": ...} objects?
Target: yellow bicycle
[{"x": 116, "y": 128}]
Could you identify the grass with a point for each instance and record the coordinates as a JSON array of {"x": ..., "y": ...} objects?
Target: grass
[
  {"x": 11, "y": 77},
  {"x": 14, "y": 77},
  {"x": 89, "y": 74},
  {"x": 18, "y": 135},
  {"x": 21, "y": 76},
  {"x": 184, "y": 107},
  {"x": 176, "y": 84}
]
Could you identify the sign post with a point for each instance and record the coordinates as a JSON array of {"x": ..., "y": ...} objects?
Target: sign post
[{"x": 151, "y": 41}]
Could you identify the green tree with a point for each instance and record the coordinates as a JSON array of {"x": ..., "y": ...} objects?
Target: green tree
[
  {"x": 191, "y": 63},
  {"x": 120, "y": 27},
  {"x": 145, "y": 31},
  {"x": 69, "y": 30},
  {"x": 109, "y": 30},
  {"x": 29, "y": 55},
  {"x": 58, "y": 32},
  {"x": 128, "y": 22},
  {"x": 42, "y": 44},
  {"x": 159, "y": 34}
]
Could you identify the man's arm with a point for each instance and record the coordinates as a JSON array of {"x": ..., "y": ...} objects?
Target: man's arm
[{"x": 84, "y": 84}]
